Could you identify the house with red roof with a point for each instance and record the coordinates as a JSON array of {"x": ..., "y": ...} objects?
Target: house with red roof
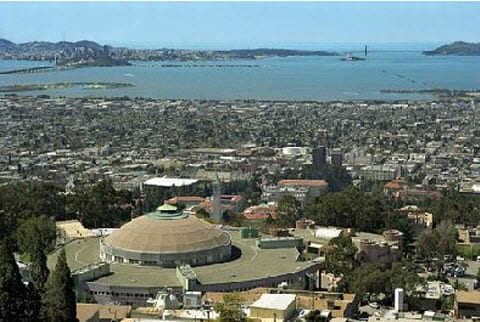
[{"x": 260, "y": 212}]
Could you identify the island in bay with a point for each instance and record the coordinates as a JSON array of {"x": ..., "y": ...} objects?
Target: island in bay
[{"x": 458, "y": 48}]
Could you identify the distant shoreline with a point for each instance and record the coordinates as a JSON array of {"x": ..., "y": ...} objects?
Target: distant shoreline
[
  {"x": 42, "y": 87},
  {"x": 91, "y": 53},
  {"x": 442, "y": 93},
  {"x": 43, "y": 69},
  {"x": 193, "y": 65},
  {"x": 471, "y": 95}
]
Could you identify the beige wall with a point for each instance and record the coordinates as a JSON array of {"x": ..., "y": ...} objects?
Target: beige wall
[{"x": 268, "y": 314}]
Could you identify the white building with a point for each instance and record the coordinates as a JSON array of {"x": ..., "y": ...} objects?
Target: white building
[{"x": 273, "y": 307}]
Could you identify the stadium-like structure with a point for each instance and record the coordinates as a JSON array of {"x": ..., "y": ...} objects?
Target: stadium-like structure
[
  {"x": 170, "y": 249},
  {"x": 167, "y": 237}
]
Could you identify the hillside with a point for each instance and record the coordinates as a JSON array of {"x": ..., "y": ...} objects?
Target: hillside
[
  {"x": 72, "y": 52},
  {"x": 458, "y": 48},
  {"x": 81, "y": 53}
]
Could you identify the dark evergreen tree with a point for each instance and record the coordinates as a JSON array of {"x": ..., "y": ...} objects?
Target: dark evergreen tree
[
  {"x": 59, "y": 303},
  {"x": 101, "y": 206},
  {"x": 39, "y": 270},
  {"x": 13, "y": 293},
  {"x": 34, "y": 303},
  {"x": 288, "y": 211},
  {"x": 37, "y": 234}
]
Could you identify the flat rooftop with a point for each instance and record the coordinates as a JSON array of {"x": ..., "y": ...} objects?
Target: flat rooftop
[
  {"x": 254, "y": 263},
  {"x": 170, "y": 182},
  {"x": 309, "y": 235},
  {"x": 274, "y": 301}
]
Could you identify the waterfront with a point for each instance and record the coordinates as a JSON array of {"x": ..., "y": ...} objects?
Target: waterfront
[{"x": 291, "y": 78}]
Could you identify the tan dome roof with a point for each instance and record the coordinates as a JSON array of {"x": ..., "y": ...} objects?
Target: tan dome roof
[{"x": 148, "y": 235}]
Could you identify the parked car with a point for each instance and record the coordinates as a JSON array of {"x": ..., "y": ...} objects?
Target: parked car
[{"x": 374, "y": 305}]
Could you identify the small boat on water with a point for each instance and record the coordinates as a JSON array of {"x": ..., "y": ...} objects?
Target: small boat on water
[{"x": 352, "y": 58}]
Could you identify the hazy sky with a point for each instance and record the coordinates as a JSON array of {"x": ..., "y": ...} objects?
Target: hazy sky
[{"x": 233, "y": 24}]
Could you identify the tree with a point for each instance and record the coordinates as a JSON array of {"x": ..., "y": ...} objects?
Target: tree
[
  {"x": 288, "y": 209},
  {"x": 37, "y": 234},
  {"x": 101, "y": 206},
  {"x": 447, "y": 303},
  {"x": 459, "y": 285},
  {"x": 427, "y": 245},
  {"x": 403, "y": 275},
  {"x": 229, "y": 309},
  {"x": 340, "y": 255},
  {"x": 438, "y": 242},
  {"x": 13, "y": 305},
  {"x": 19, "y": 202},
  {"x": 39, "y": 270},
  {"x": 371, "y": 215},
  {"x": 370, "y": 279},
  {"x": 59, "y": 303},
  {"x": 468, "y": 251},
  {"x": 401, "y": 223},
  {"x": 26, "y": 200},
  {"x": 349, "y": 208},
  {"x": 338, "y": 177},
  {"x": 448, "y": 238},
  {"x": 34, "y": 302}
]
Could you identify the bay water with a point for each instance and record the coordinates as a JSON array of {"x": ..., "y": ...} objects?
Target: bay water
[{"x": 288, "y": 78}]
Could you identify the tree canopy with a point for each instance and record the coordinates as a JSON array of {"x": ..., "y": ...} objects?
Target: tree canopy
[
  {"x": 37, "y": 234},
  {"x": 372, "y": 280},
  {"x": 340, "y": 255},
  {"x": 353, "y": 208},
  {"x": 438, "y": 242},
  {"x": 20, "y": 202},
  {"x": 101, "y": 205},
  {"x": 229, "y": 309},
  {"x": 455, "y": 207}
]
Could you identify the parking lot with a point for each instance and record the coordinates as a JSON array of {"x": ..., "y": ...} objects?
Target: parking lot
[{"x": 470, "y": 274}]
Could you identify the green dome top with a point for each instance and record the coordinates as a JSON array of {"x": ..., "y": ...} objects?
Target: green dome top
[
  {"x": 166, "y": 212},
  {"x": 166, "y": 208}
]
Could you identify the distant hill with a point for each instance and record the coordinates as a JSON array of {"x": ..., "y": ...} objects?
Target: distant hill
[
  {"x": 89, "y": 53},
  {"x": 269, "y": 52},
  {"x": 80, "y": 53},
  {"x": 5, "y": 43},
  {"x": 458, "y": 48}
]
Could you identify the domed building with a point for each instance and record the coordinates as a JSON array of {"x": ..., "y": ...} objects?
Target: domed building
[{"x": 167, "y": 237}]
